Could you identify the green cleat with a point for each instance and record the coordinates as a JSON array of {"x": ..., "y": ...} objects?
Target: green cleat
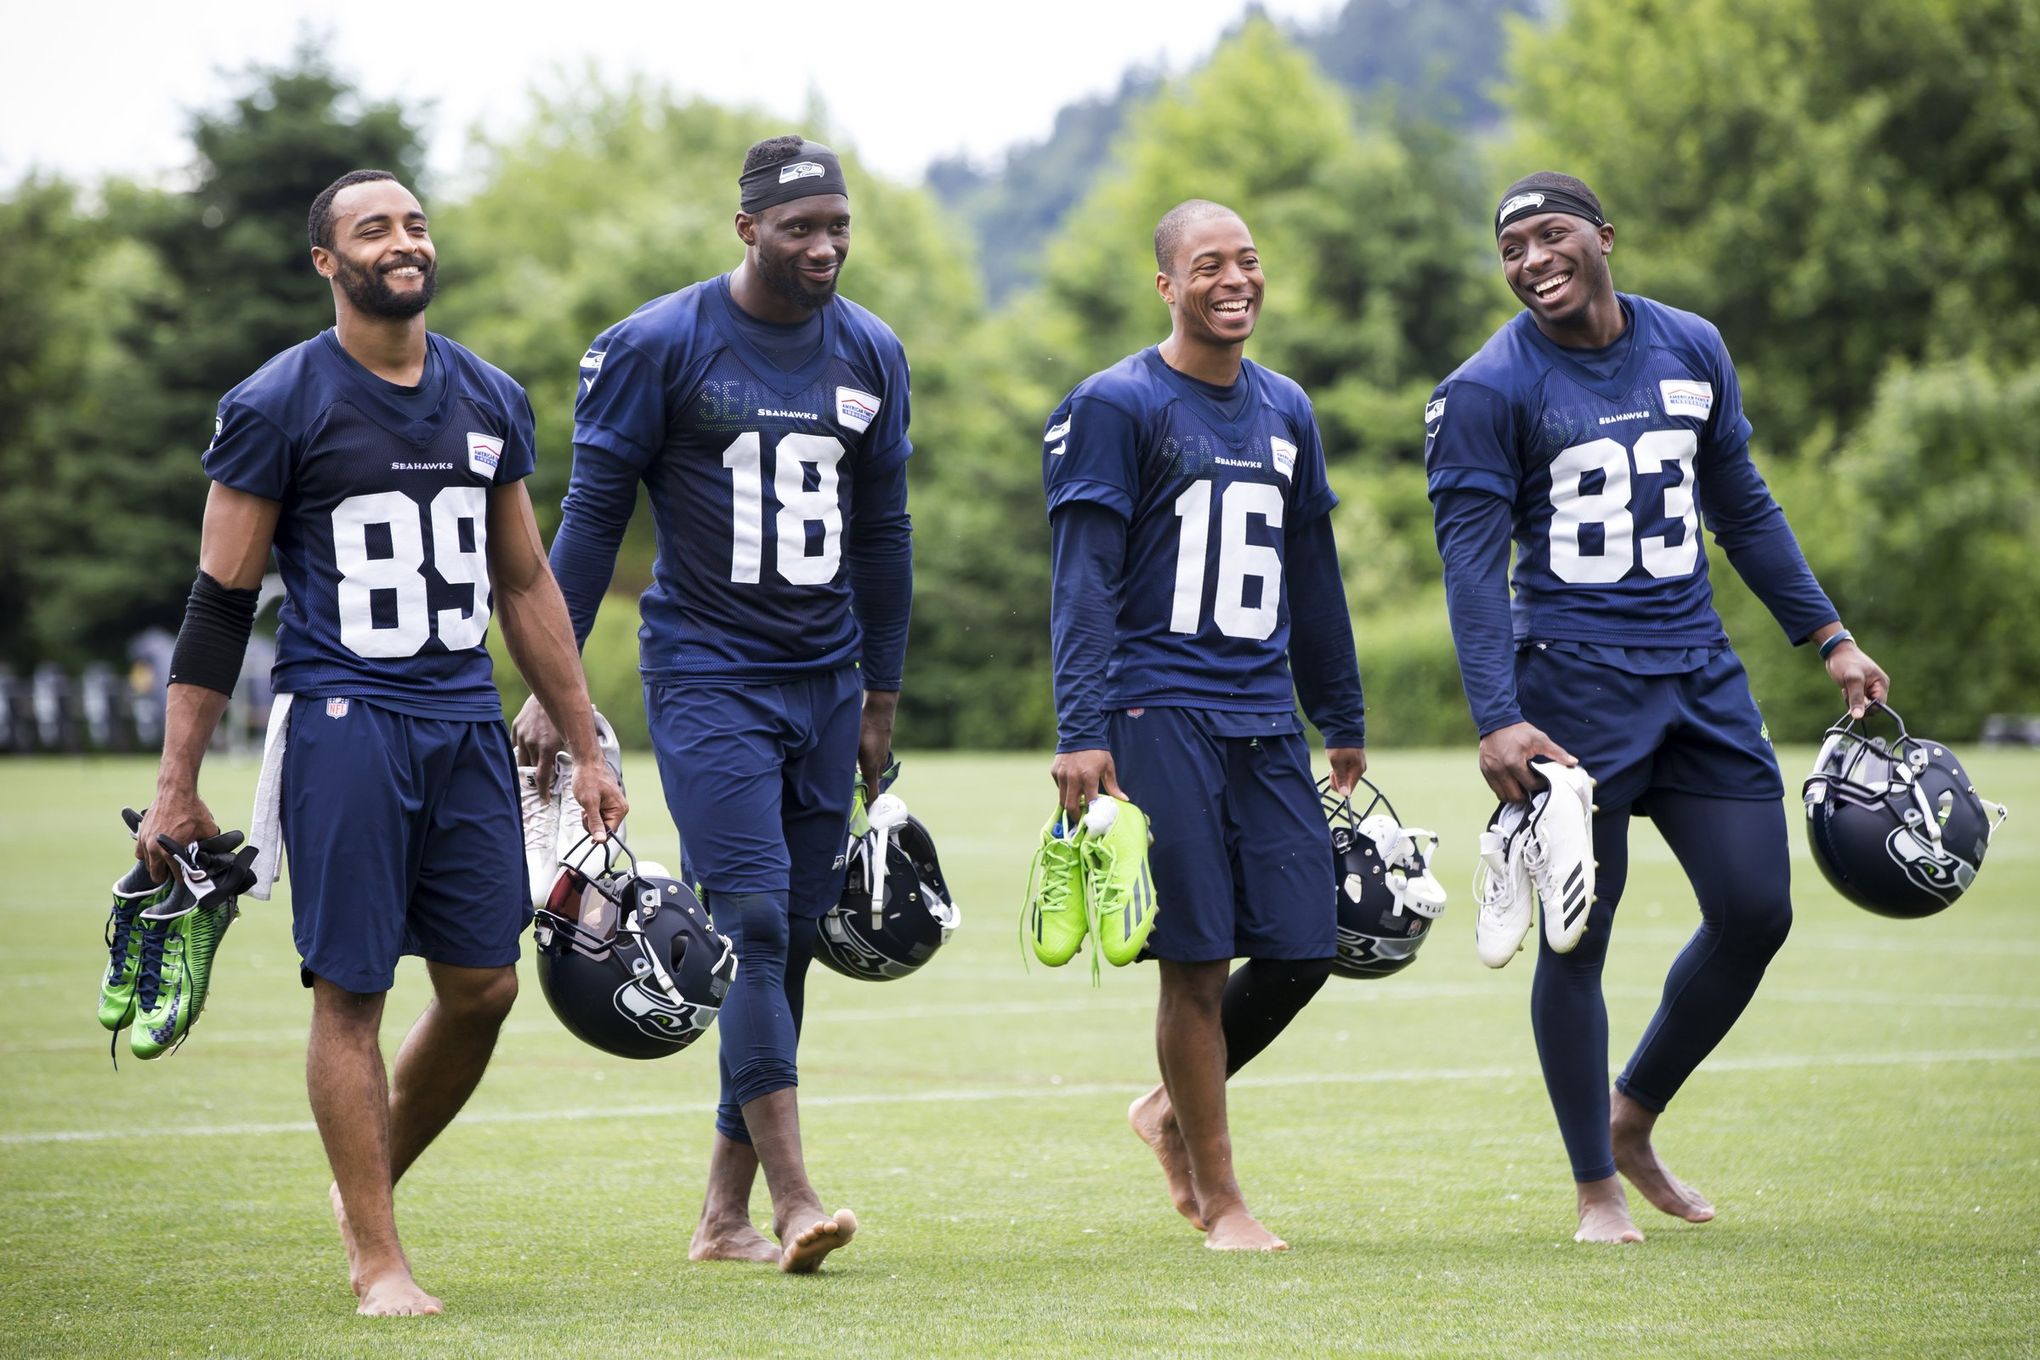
[
  {"x": 1056, "y": 908},
  {"x": 1114, "y": 848},
  {"x": 175, "y": 973},
  {"x": 133, "y": 894}
]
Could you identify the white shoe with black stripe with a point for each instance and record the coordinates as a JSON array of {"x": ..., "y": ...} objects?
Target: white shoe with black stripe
[{"x": 1556, "y": 844}]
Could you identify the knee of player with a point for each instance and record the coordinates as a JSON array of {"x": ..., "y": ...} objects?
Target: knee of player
[
  {"x": 1764, "y": 922},
  {"x": 755, "y": 922},
  {"x": 485, "y": 998}
]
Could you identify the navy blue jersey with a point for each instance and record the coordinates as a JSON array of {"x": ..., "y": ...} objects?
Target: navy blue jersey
[
  {"x": 751, "y": 470},
  {"x": 1207, "y": 486},
  {"x": 383, "y": 536},
  {"x": 1608, "y": 467}
]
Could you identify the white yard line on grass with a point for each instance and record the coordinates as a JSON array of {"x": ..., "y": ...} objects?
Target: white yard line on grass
[{"x": 1779, "y": 1062}]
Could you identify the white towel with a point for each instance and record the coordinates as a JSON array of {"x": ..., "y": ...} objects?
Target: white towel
[{"x": 265, "y": 824}]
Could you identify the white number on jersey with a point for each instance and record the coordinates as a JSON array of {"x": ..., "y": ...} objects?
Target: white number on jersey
[
  {"x": 1238, "y": 560},
  {"x": 1609, "y": 507},
  {"x": 798, "y": 507},
  {"x": 402, "y": 575}
]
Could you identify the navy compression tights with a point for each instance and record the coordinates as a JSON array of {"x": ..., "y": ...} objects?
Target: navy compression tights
[
  {"x": 1261, "y": 997},
  {"x": 1735, "y": 853},
  {"x": 760, "y": 1018}
]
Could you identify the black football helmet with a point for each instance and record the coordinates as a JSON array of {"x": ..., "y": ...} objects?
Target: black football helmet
[
  {"x": 1896, "y": 827},
  {"x": 629, "y": 960},
  {"x": 895, "y": 910},
  {"x": 1388, "y": 896}
]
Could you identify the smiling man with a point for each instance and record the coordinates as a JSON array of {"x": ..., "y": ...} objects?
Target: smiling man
[
  {"x": 1598, "y": 428},
  {"x": 1193, "y": 566},
  {"x": 383, "y": 465},
  {"x": 768, "y": 418}
]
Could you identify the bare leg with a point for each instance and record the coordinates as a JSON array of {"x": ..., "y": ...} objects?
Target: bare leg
[
  {"x": 1190, "y": 1043},
  {"x": 1154, "y": 1120},
  {"x": 1604, "y": 1213},
  {"x": 438, "y": 1067},
  {"x": 350, "y": 1101},
  {"x": 806, "y": 1232},
  {"x": 1629, "y": 1128},
  {"x": 725, "y": 1232}
]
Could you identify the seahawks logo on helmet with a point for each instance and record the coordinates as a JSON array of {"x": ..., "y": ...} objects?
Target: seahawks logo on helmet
[{"x": 676, "y": 1022}]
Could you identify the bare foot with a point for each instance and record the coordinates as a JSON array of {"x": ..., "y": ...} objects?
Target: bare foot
[
  {"x": 1155, "y": 1122},
  {"x": 1629, "y": 1128},
  {"x": 804, "y": 1252},
  {"x": 346, "y": 1238},
  {"x": 730, "y": 1242},
  {"x": 1604, "y": 1213},
  {"x": 1238, "y": 1230},
  {"x": 395, "y": 1294}
]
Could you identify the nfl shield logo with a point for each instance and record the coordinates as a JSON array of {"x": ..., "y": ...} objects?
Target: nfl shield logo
[{"x": 336, "y": 708}]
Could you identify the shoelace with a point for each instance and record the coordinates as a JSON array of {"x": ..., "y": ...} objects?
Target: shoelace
[
  {"x": 1057, "y": 902},
  {"x": 149, "y": 978},
  {"x": 120, "y": 930}
]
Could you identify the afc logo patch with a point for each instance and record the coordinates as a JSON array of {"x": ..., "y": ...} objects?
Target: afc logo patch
[{"x": 485, "y": 454}]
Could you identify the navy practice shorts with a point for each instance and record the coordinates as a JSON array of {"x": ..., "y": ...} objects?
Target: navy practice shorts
[
  {"x": 403, "y": 837},
  {"x": 1242, "y": 856},
  {"x": 1695, "y": 732},
  {"x": 759, "y": 777}
]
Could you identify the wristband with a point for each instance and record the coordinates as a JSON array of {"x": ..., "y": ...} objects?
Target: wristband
[
  {"x": 213, "y": 638},
  {"x": 1837, "y": 640}
]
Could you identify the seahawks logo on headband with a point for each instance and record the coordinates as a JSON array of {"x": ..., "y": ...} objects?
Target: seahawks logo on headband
[
  {"x": 1519, "y": 201},
  {"x": 800, "y": 170}
]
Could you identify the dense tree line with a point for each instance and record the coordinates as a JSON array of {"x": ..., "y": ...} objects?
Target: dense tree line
[{"x": 1858, "y": 224}]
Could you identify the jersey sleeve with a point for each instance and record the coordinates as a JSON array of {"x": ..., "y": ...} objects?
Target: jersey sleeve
[
  {"x": 1091, "y": 452},
  {"x": 520, "y": 446},
  {"x": 886, "y": 445},
  {"x": 1311, "y": 492},
  {"x": 249, "y": 452},
  {"x": 621, "y": 407},
  {"x": 1728, "y": 427},
  {"x": 1469, "y": 441}
]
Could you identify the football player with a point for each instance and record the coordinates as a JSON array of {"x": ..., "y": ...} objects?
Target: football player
[
  {"x": 767, "y": 416},
  {"x": 383, "y": 465},
  {"x": 1193, "y": 565},
  {"x": 1597, "y": 427}
]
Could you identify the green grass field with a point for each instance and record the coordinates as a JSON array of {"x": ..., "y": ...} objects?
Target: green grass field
[{"x": 1870, "y": 1134}]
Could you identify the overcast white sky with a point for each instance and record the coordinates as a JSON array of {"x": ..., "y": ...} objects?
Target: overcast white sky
[{"x": 103, "y": 88}]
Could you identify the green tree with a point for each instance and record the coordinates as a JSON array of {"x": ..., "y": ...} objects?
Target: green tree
[
  {"x": 192, "y": 292},
  {"x": 1922, "y": 528},
  {"x": 1840, "y": 185}
]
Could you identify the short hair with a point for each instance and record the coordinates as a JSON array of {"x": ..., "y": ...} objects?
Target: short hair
[
  {"x": 320, "y": 224},
  {"x": 1552, "y": 179},
  {"x": 1169, "y": 231},
  {"x": 772, "y": 150}
]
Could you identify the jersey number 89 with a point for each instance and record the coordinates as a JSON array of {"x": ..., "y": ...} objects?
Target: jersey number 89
[
  {"x": 1573, "y": 508},
  {"x": 401, "y": 574}
]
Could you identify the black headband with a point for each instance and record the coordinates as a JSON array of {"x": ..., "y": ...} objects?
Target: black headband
[
  {"x": 811, "y": 170},
  {"x": 1532, "y": 202}
]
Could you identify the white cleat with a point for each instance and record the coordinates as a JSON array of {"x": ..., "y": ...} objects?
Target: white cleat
[
  {"x": 1501, "y": 888},
  {"x": 541, "y": 834},
  {"x": 553, "y": 833},
  {"x": 1557, "y": 850}
]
